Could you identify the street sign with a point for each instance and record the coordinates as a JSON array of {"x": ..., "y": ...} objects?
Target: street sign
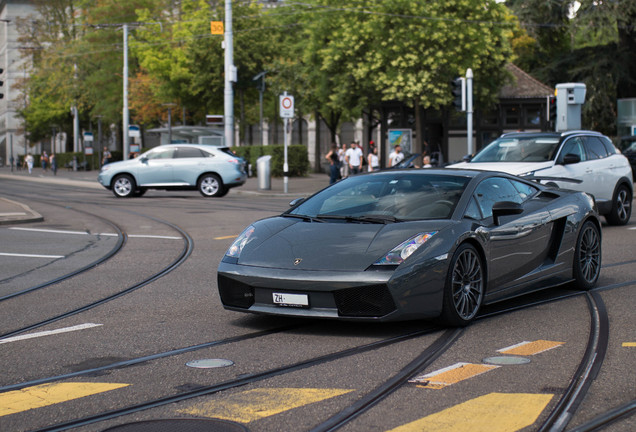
[
  {"x": 216, "y": 27},
  {"x": 286, "y": 106},
  {"x": 134, "y": 131},
  {"x": 88, "y": 136}
]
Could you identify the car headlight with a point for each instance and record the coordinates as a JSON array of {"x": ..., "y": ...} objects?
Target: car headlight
[
  {"x": 405, "y": 249},
  {"x": 237, "y": 247}
]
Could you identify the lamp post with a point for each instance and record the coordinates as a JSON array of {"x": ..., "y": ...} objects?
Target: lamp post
[{"x": 170, "y": 106}]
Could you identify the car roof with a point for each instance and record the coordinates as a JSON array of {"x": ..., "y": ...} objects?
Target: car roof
[{"x": 562, "y": 134}]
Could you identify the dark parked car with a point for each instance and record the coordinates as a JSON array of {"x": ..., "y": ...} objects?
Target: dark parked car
[
  {"x": 627, "y": 146},
  {"x": 410, "y": 244}
]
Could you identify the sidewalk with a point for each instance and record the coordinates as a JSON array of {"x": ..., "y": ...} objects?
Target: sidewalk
[{"x": 15, "y": 212}]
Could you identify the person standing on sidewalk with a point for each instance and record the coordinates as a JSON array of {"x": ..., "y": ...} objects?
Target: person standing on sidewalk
[
  {"x": 354, "y": 158},
  {"x": 28, "y": 160},
  {"x": 44, "y": 160},
  {"x": 334, "y": 164},
  {"x": 53, "y": 163},
  {"x": 106, "y": 156}
]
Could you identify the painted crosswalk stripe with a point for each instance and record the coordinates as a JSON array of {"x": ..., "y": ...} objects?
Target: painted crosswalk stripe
[
  {"x": 451, "y": 375},
  {"x": 494, "y": 412},
  {"x": 48, "y": 394},
  {"x": 48, "y": 332},
  {"x": 256, "y": 404},
  {"x": 530, "y": 348}
]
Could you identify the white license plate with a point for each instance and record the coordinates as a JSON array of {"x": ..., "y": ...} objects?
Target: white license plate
[{"x": 293, "y": 300}]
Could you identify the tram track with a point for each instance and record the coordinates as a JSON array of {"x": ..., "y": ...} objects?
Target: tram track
[
  {"x": 557, "y": 420},
  {"x": 188, "y": 246}
]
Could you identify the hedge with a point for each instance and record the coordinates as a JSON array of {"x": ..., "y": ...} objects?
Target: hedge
[{"x": 296, "y": 158}]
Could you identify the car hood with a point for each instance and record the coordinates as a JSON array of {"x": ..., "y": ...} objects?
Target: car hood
[
  {"x": 295, "y": 244},
  {"x": 514, "y": 168}
]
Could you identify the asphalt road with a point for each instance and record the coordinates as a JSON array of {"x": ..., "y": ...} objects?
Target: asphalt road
[{"x": 143, "y": 304}]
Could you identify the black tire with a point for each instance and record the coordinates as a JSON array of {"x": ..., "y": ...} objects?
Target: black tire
[
  {"x": 210, "y": 185},
  {"x": 465, "y": 287},
  {"x": 124, "y": 186},
  {"x": 621, "y": 207},
  {"x": 587, "y": 257},
  {"x": 139, "y": 192}
]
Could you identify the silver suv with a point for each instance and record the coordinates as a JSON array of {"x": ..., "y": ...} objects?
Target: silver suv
[{"x": 588, "y": 157}]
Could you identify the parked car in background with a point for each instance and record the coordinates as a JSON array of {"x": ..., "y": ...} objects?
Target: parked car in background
[
  {"x": 627, "y": 145},
  {"x": 410, "y": 244},
  {"x": 213, "y": 171},
  {"x": 588, "y": 159}
]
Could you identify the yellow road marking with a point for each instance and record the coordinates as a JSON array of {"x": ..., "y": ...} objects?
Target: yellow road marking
[
  {"x": 255, "y": 404},
  {"x": 451, "y": 375},
  {"x": 495, "y": 412},
  {"x": 226, "y": 237},
  {"x": 629, "y": 344},
  {"x": 530, "y": 348},
  {"x": 48, "y": 394}
]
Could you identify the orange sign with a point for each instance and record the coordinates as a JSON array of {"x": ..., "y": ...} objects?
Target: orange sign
[{"x": 216, "y": 27}]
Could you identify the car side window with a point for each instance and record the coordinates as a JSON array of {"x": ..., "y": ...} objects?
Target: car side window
[
  {"x": 189, "y": 152},
  {"x": 472, "y": 211},
  {"x": 495, "y": 189},
  {"x": 160, "y": 153},
  {"x": 609, "y": 146},
  {"x": 525, "y": 190},
  {"x": 573, "y": 146},
  {"x": 595, "y": 148}
]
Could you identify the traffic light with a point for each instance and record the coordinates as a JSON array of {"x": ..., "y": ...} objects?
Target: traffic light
[
  {"x": 552, "y": 109},
  {"x": 458, "y": 88}
]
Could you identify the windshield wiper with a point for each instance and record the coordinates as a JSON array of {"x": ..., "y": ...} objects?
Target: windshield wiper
[
  {"x": 303, "y": 217},
  {"x": 383, "y": 219}
]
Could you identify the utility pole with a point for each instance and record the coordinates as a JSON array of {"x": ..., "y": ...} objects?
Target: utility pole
[
  {"x": 126, "y": 144},
  {"x": 230, "y": 76},
  {"x": 469, "y": 109}
]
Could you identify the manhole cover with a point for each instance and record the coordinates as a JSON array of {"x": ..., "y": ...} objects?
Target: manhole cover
[
  {"x": 180, "y": 425},
  {"x": 506, "y": 360},
  {"x": 209, "y": 363}
]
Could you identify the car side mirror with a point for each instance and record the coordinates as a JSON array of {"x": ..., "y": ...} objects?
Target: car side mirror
[
  {"x": 143, "y": 159},
  {"x": 505, "y": 208},
  {"x": 467, "y": 158},
  {"x": 571, "y": 158}
]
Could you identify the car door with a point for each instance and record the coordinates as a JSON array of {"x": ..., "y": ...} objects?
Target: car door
[
  {"x": 156, "y": 167},
  {"x": 585, "y": 171},
  {"x": 189, "y": 163},
  {"x": 518, "y": 244}
]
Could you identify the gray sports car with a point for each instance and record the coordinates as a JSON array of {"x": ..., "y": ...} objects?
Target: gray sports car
[{"x": 411, "y": 244}]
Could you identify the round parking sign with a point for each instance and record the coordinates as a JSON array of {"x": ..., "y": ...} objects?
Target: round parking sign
[{"x": 286, "y": 106}]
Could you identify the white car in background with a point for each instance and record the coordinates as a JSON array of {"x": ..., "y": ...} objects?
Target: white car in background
[
  {"x": 587, "y": 157},
  {"x": 213, "y": 171}
]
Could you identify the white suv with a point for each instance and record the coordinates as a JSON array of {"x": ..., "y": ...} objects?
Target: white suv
[{"x": 586, "y": 156}]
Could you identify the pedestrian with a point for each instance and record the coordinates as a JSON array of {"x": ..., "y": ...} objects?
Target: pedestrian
[
  {"x": 396, "y": 156},
  {"x": 28, "y": 160},
  {"x": 344, "y": 168},
  {"x": 53, "y": 162},
  {"x": 334, "y": 164},
  {"x": 374, "y": 162},
  {"x": 106, "y": 156},
  {"x": 426, "y": 162},
  {"x": 354, "y": 158},
  {"x": 44, "y": 160}
]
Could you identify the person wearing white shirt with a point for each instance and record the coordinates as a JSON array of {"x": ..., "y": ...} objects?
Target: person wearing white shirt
[
  {"x": 354, "y": 158},
  {"x": 396, "y": 156}
]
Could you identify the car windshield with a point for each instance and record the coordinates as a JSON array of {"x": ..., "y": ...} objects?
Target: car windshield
[
  {"x": 519, "y": 149},
  {"x": 384, "y": 198}
]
